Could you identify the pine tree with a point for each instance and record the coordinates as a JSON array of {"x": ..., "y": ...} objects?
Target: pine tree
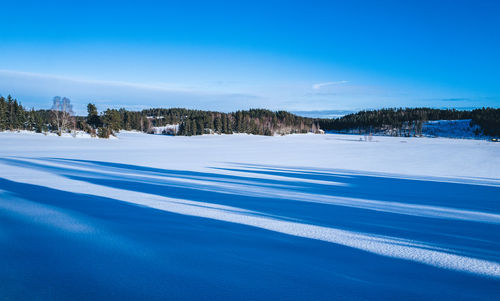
[
  {"x": 112, "y": 120},
  {"x": 11, "y": 115},
  {"x": 229, "y": 125},
  {"x": 239, "y": 122},
  {"x": 200, "y": 127},
  {"x": 3, "y": 114},
  {"x": 218, "y": 125},
  {"x": 194, "y": 130},
  {"x": 39, "y": 125},
  {"x": 224, "y": 124},
  {"x": 93, "y": 116},
  {"x": 187, "y": 128}
]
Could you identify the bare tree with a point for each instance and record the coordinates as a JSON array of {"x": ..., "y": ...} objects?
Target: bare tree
[{"x": 62, "y": 110}]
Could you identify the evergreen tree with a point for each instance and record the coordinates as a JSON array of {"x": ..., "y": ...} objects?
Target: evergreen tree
[
  {"x": 239, "y": 122},
  {"x": 218, "y": 125},
  {"x": 112, "y": 120},
  {"x": 194, "y": 130},
  {"x": 93, "y": 116},
  {"x": 3, "y": 114},
  {"x": 395, "y": 121},
  {"x": 199, "y": 127},
  {"x": 11, "y": 113},
  {"x": 224, "y": 124}
]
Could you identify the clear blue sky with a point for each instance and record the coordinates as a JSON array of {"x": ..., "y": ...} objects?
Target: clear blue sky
[{"x": 226, "y": 55}]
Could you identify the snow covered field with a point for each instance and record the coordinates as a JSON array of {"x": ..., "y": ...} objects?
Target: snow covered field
[
  {"x": 300, "y": 217},
  {"x": 451, "y": 129}
]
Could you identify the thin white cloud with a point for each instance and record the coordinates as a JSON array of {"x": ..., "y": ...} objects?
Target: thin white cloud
[
  {"x": 36, "y": 90},
  {"x": 321, "y": 85},
  {"x": 159, "y": 87}
]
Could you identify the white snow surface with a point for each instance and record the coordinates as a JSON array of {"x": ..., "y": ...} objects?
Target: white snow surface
[
  {"x": 287, "y": 169},
  {"x": 451, "y": 129},
  {"x": 436, "y": 157}
]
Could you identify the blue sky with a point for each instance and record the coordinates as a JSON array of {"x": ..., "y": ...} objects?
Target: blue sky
[{"x": 227, "y": 55}]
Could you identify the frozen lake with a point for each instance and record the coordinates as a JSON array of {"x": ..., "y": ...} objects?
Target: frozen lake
[{"x": 300, "y": 217}]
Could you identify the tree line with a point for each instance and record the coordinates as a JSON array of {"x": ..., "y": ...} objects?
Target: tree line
[
  {"x": 393, "y": 121},
  {"x": 61, "y": 119},
  {"x": 13, "y": 116},
  {"x": 409, "y": 121},
  {"x": 198, "y": 122}
]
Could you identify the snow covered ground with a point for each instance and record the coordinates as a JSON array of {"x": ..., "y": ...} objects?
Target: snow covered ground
[
  {"x": 299, "y": 217},
  {"x": 451, "y": 129}
]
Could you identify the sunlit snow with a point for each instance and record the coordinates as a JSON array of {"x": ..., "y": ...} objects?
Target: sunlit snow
[{"x": 299, "y": 217}]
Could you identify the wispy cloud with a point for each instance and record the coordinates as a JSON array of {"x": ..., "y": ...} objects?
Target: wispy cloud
[
  {"x": 158, "y": 87},
  {"x": 456, "y": 99},
  {"x": 36, "y": 90},
  {"x": 322, "y": 85}
]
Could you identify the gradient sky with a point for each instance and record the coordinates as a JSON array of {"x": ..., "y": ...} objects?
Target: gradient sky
[{"x": 227, "y": 55}]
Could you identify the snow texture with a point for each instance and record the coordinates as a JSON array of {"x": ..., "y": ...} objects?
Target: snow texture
[
  {"x": 299, "y": 217},
  {"x": 452, "y": 129}
]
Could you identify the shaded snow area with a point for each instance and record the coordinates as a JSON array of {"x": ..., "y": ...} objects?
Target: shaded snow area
[
  {"x": 72, "y": 134},
  {"x": 240, "y": 217},
  {"x": 451, "y": 129}
]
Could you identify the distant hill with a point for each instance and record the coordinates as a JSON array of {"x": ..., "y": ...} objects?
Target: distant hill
[
  {"x": 408, "y": 122},
  {"x": 412, "y": 121},
  {"x": 323, "y": 114}
]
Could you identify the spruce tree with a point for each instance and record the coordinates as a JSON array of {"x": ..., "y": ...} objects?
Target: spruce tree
[
  {"x": 200, "y": 127},
  {"x": 239, "y": 122},
  {"x": 112, "y": 120},
  {"x": 187, "y": 127},
  {"x": 3, "y": 114},
  {"x": 224, "y": 124},
  {"x": 218, "y": 125},
  {"x": 194, "y": 130},
  {"x": 93, "y": 116}
]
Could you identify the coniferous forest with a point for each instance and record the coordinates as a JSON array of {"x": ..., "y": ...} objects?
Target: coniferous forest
[
  {"x": 409, "y": 121},
  {"x": 396, "y": 122},
  {"x": 13, "y": 116}
]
